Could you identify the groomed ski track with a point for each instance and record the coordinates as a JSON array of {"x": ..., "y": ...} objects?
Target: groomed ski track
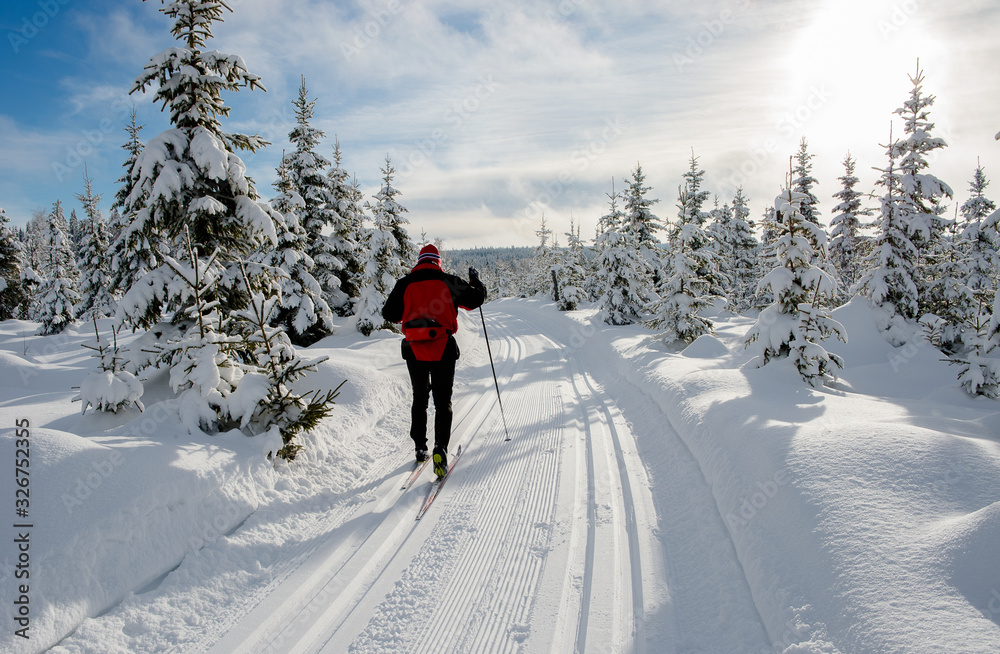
[{"x": 581, "y": 534}]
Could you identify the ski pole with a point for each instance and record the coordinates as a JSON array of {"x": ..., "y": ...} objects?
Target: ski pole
[{"x": 495, "y": 382}]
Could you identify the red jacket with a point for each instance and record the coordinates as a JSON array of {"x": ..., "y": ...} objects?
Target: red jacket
[{"x": 426, "y": 301}]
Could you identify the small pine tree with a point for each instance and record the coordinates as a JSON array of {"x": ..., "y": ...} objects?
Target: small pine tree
[
  {"x": 793, "y": 326},
  {"x": 543, "y": 264},
  {"x": 264, "y": 401},
  {"x": 111, "y": 388},
  {"x": 979, "y": 366},
  {"x": 96, "y": 299}
]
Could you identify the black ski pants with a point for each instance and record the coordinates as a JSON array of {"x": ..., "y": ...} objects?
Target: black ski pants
[{"x": 431, "y": 378}]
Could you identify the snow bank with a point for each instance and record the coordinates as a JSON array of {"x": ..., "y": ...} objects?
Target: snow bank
[{"x": 865, "y": 515}]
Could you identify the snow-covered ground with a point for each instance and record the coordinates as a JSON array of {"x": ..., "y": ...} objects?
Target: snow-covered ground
[{"x": 650, "y": 500}]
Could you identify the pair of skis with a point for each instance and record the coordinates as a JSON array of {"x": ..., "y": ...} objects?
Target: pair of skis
[{"x": 436, "y": 485}]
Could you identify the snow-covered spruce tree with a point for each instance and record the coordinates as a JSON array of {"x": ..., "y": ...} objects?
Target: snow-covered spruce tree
[
  {"x": 543, "y": 264},
  {"x": 317, "y": 210},
  {"x": 137, "y": 248},
  {"x": 796, "y": 322},
  {"x": 847, "y": 243},
  {"x": 639, "y": 226},
  {"x": 264, "y": 402},
  {"x": 111, "y": 388},
  {"x": 767, "y": 259},
  {"x": 382, "y": 268},
  {"x": 572, "y": 271},
  {"x": 803, "y": 182},
  {"x": 346, "y": 232},
  {"x": 889, "y": 278},
  {"x": 189, "y": 178},
  {"x": 12, "y": 294},
  {"x": 301, "y": 310},
  {"x": 922, "y": 194},
  {"x": 389, "y": 213},
  {"x": 746, "y": 253},
  {"x": 980, "y": 240},
  {"x": 979, "y": 365},
  {"x": 686, "y": 288},
  {"x": 58, "y": 294},
  {"x": 96, "y": 299},
  {"x": 619, "y": 269}
]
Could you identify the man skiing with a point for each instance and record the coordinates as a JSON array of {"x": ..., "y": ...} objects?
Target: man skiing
[{"x": 426, "y": 301}]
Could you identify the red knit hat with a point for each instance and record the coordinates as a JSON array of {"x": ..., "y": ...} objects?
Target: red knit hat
[{"x": 429, "y": 254}]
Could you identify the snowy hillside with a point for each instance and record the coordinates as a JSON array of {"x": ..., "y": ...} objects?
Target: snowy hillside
[{"x": 649, "y": 501}]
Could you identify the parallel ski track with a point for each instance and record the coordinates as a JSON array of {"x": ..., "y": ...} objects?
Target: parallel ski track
[
  {"x": 298, "y": 609},
  {"x": 466, "y": 577}
]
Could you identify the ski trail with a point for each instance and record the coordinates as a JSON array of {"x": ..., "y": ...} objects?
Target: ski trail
[{"x": 318, "y": 590}]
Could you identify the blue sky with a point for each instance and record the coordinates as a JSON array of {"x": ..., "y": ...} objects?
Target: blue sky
[{"x": 495, "y": 113}]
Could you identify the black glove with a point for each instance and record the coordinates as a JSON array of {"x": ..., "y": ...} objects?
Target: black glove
[{"x": 473, "y": 274}]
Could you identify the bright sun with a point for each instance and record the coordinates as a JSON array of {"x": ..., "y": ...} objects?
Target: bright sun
[{"x": 855, "y": 56}]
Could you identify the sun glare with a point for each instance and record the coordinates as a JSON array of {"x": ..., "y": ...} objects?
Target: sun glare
[{"x": 851, "y": 62}]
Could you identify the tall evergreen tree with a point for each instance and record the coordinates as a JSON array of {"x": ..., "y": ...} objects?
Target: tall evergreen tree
[
  {"x": 847, "y": 243},
  {"x": 980, "y": 238},
  {"x": 58, "y": 294},
  {"x": 96, "y": 299},
  {"x": 620, "y": 268},
  {"x": 388, "y": 213},
  {"x": 640, "y": 227},
  {"x": 12, "y": 294},
  {"x": 793, "y": 326},
  {"x": 890, "y": 270},
  {"x": 317, "y": 212},
  {"x": 380, "y": 273},
  {"x": 137, "y": 248},
  {"x": 737, "y": 250},
  {"x": 803, "y": 182},
  {"x": 301, "y": 310},
  {"x": 922, "y": 194},
  {"x": 543, "y": 263},
  {"x": 190, "y": 179},
  {"x": 346, "y": 232},
  {"x": 686, "y": 289},
  {"x": 572, "y": 270}
]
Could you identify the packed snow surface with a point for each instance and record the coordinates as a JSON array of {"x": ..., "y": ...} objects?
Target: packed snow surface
[{"x": 651, "y": 499}]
